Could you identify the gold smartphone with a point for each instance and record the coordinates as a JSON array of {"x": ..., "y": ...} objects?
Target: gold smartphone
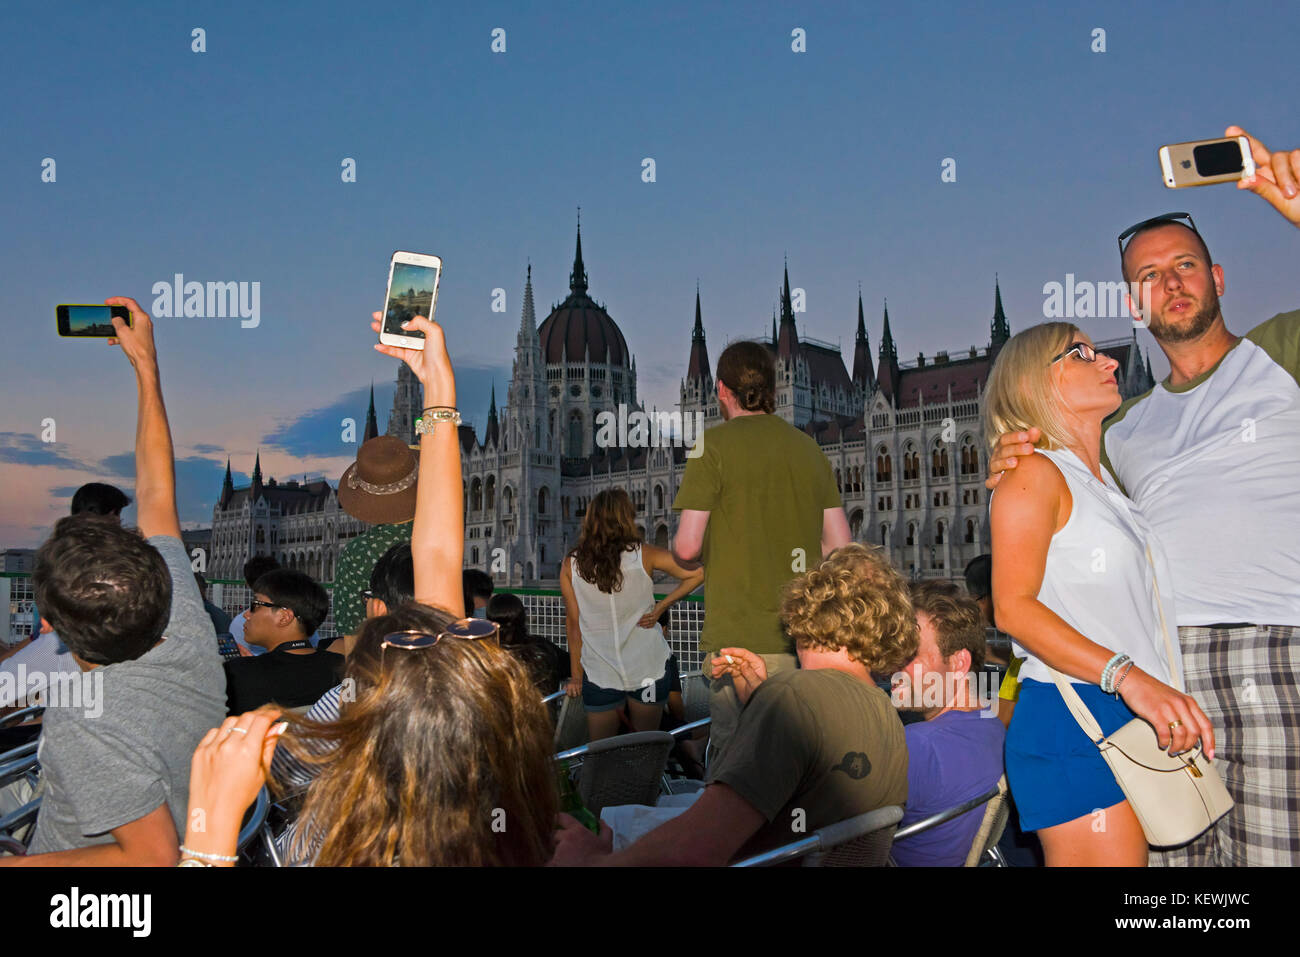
[{"x": 1205, "y": 162}]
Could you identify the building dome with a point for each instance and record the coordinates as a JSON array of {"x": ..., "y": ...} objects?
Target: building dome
[{"x": 579, "y": 328}]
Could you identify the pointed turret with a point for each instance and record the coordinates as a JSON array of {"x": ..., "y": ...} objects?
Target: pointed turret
[
  {"x": 493, "y": 434},
  {"x": 999, "y": 330},
  {"x": 698, "y": 367},
  {"x": 887, "y": 373},
  {"x": 227, "y": 486},
  {"x": 787, "y": 343},
  {"x": 256, "y": 487},
  {"x": 578, "y": 278},
  {"x": 372, "y": 424},
  {"x": 863, "y": 376},
  {"x": 528, "y": 319}
]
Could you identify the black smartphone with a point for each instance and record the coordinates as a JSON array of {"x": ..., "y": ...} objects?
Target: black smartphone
[{"x": 89, "y": 321}]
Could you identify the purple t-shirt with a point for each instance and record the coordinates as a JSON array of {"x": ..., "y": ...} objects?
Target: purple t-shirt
[{"x": 951, "y": 759}]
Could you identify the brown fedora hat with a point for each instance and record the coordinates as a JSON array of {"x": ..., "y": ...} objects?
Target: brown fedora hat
[{"x": 379, "y": 487}]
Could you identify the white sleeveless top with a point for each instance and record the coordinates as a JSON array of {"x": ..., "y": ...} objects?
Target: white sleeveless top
[
  {"x": 1098, "y": 579},
  {"x": 616, "y": 652}
]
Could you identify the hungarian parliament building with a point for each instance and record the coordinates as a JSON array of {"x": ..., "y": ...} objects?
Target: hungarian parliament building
[{"x": 905, "y": 441}]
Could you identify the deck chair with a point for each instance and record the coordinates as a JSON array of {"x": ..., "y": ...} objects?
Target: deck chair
[
  {"x": 571, "y": 725},
  {"x": 861, "y": 841},
  {"x": 996, "y": 811}
]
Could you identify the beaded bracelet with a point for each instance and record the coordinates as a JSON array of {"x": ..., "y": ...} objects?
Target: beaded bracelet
[
  {"x": 207, "y": 857},
  {"x": 1108, "y": 672},
  {"x": 193, "y": 862}
]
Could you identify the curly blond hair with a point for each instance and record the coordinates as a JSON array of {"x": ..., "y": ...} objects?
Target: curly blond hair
[{"x": 853, "y": 600}]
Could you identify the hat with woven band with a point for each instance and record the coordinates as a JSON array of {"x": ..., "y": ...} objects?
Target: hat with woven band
[{"x": 379, "y": 487}]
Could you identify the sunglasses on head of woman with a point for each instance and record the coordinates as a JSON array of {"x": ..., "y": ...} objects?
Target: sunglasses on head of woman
[{"x": 467, "y": 629}]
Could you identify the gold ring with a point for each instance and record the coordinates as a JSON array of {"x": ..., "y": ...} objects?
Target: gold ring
[{"x": 1172, "y": 725}]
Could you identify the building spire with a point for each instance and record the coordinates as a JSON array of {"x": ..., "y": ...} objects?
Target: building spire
[
  {"x": 887, "y": 339},
  {"x": 863, "y": 375},
  {"x": 888, "y": 375},
  {"x": 787, "y": 344},
  {"x": 372, "y": 424},
  {"x": 493, "y": 434},
  {"x": 227, "y": 486},
  {"x": 698, "y": 366},
  {"x": 999, "y": 329},
  {"x": 578, "y": 278}
]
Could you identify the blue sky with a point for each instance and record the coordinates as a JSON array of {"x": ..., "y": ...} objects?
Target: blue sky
[{"x": 225, "y": 166}]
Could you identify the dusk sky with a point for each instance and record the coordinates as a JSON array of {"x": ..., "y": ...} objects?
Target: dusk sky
[{"x": 225, "y": 166}]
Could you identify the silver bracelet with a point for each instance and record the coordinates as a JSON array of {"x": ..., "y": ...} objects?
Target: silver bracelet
[
  {"x": 208, "y": 857},
  {"x": 193, "y": 862},
  {"x": 1109, "y": 671},
  {"x": 432, "y": 416},
  {"x": 1120, "y": 680}
]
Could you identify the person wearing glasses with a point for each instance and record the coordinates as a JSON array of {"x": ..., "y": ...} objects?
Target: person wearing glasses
[
  {"x": 1078, "y": 575},
  {"x": 1211, "y": 456},
  {"x": 286, "y": 609}
]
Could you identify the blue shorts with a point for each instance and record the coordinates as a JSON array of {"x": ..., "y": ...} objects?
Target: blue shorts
[
  {"x": 596, "y": 698},
  {"x": 1055, "y": 772}
]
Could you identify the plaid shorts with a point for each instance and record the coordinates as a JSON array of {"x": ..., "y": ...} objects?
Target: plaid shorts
[{"x": 1247, "y": 680}]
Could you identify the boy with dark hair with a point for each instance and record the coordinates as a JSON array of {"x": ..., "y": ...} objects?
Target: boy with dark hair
[
  {"x": 126, "y": 605},
  {"x": 254, "y": 568},
  {"x": 287, "y": 608},
  {"x": 96, "y": 498},
  {"x": 478, "y": 589}
]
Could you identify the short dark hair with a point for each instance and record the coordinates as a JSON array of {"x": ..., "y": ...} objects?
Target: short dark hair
[
  {"x": 979, "y": 577},
  {"x": 1160, "y": 224},
  {"x": 257, "y": 566},
  {"x": 103, "y": 588},
  {"x": 96, "y": 498},
  {"x": 392, "y": 580},
  {"x": 958, "y": 621},
  {"x": 299, "y": 592},
  {"x": 477, "y": 584},
  {"x": 746, "y": 368},
  {"x": 509, "y": 612}
]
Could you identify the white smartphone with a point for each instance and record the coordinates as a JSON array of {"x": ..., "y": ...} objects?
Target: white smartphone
[
  {"x": 412, "y": 291},
  {"x": 1204, "y": 162}
]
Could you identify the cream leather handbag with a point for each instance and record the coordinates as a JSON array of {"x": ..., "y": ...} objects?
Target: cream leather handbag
[{"x": 1176, "y": 797}]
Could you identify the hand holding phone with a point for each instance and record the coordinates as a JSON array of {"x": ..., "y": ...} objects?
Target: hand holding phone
[
  {"x": 412, "y": 291},
  {"x": 430, "y": 363},
  {"x": 1277, "y": 176},
  {"x": 1204, "y": 162}
]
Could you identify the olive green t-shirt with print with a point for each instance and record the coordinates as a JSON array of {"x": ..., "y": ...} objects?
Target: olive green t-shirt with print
[{"x": 765, "y": 486}]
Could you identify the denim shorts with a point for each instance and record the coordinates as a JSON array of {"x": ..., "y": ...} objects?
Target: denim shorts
[
  {"x": 596, "y": 698},
  {"x": 1055, "y": 772}
]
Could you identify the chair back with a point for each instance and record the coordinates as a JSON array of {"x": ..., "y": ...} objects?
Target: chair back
[
  {"x": 571, "y": 725},
  {"x": 860, "y": 841},
  {"x": 15, "y": 718},
  {"x": 254, "y": 819},
  {"x": 994, "y": 823},
  {"x": 695, "y": 696},
  {"x": 625, "y": 769}
]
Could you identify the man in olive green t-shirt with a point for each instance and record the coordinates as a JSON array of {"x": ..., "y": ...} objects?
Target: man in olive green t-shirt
[{"x": 759, "y": 506}]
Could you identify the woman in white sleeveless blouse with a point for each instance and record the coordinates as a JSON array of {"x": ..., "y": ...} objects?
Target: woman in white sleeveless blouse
[
  {"x": 1073, "y": 585},
  {"x": 616, "y": 647}
]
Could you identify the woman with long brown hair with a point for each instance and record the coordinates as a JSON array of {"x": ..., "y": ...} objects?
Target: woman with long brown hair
[
  {"x": 617, "y": 649},
  {"x": 445, "y": 755}
]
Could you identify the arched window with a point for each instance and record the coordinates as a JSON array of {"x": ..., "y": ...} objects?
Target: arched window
[
  {"x": 884, "y": 536},
  {"x": 970, "y": 531},
  {"x": 838, "y": 484},
  {"x": 911, "y": 463},
  {"x": 659, "y": 498},
  {"x": 938, "y": 532},
  {"x": 490, "y": 493},
  {"x": 475, "y": 494},
  {"x": 857, "y": 478},
  {"x": 884, "y": 466},
  {"x": 541, "y": 501},
  {"x": 911, "y": 533},
  {"x": 939, "y": 461},
  {"x": 575, "y": 434},
  {"x": 855, "y": 522},
  {"x": 508, "y": 500}
]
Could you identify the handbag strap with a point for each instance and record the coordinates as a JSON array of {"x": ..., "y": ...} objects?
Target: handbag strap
[{"x": 1072, "y": 700}]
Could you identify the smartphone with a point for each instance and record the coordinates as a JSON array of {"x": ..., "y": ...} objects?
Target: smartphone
[
  {"x": 1204, "y": 162},
  {"x": 412, "y": 291},
  {"x": 89, "y": 321}
]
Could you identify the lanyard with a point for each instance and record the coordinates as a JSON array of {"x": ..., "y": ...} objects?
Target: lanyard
[{"x": 294, "y": 645}]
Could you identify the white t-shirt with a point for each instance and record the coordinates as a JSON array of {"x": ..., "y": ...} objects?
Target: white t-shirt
[
  {"x": 1098, "y": 579},
  {"x": 1214, "y": 465}
]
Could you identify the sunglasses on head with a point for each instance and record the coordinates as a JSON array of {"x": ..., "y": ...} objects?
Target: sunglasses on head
[
  {"x": 467, "y": 629},
  {"x": 1184, "y": 219}
]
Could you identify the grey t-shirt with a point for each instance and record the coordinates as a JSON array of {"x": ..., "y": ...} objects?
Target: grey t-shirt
[{"x": 103, "y": 770}]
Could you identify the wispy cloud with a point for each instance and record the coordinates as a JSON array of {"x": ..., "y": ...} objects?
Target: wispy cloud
[{"x": 21, "y": 448}]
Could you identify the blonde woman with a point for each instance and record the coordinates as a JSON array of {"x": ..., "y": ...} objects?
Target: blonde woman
[{"x": 1073, "y": 586}]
